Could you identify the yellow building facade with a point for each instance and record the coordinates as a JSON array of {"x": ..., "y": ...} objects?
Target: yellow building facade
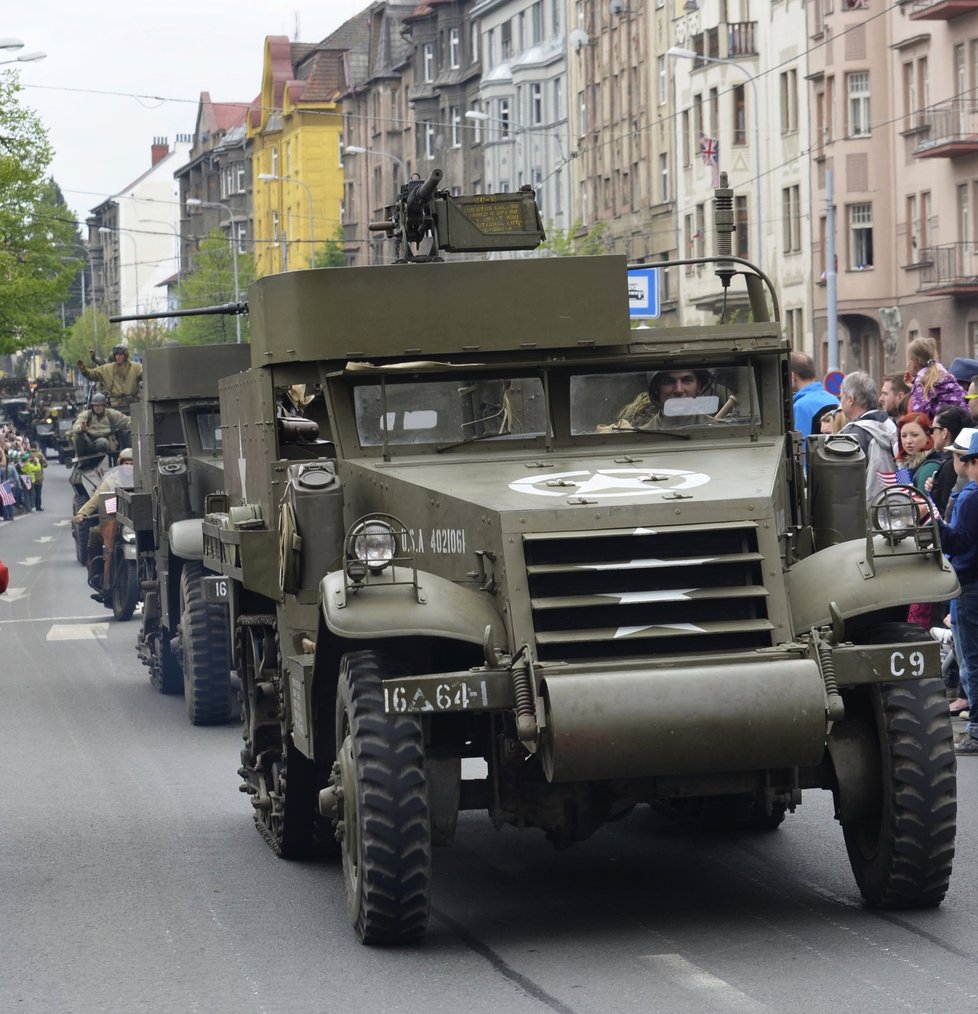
[{"x": 296, "y": 133}]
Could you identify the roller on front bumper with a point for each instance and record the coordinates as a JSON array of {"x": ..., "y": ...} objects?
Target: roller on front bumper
[{"x": 595, "y": 724}]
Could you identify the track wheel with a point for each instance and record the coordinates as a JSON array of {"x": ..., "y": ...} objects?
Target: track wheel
[
  {"x": 901, "y": 850},
  {"x": 206, "y": 666},
  {"x": 384, "y": 824}
]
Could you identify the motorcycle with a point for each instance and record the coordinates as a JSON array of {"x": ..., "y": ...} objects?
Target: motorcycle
[{"x": 113, "y": 574}]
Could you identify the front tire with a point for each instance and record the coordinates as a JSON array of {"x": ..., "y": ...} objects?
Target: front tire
[
  {"x": 206, "y": 662},
  {"x": 125, "y": 589},
  {"x": 385, "y": 825},
  {"x": 901, "y": 852}
]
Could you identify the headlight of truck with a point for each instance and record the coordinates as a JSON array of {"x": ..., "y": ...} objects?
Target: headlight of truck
[
  {"x": 896, "y": 513},
  {"x": 373, "y": 544}
]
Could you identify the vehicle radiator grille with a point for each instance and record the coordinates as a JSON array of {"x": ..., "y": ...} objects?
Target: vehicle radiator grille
[{"x": 678, "y": 591}]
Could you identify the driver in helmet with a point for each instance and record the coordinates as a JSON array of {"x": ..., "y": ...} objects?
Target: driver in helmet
[
  {"x": 98, "y": 429},
  {"x": 647, "y": 410},
  {"x": 119, "y": 379}
]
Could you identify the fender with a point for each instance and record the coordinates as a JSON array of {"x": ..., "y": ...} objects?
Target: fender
[
  {"x": 897, "y": 575},
  {"x": 187, "y": 538},
  {"x": 393, "y": 610}
]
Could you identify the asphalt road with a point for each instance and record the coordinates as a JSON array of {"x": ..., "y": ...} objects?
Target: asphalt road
[{"x": 132, "y": 879}]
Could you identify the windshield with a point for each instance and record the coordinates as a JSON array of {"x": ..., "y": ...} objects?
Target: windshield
[
  {"x": 209, "y": 430},
  {"x": 669, "y": 399},
  {"x": 450, "y": 411}
]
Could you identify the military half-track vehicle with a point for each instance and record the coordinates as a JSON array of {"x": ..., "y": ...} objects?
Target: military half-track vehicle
[
  {"x": 472, "y": 515},
  {"x": 178, "y": 461}
]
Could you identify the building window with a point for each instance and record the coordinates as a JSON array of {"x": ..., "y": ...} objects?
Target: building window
[
  {"x": 925, "y": 220},
  {"x": 490, "y": 49},
  {"x": 700, "y": 235},
  {"x": 913, "y": 230},
  {"x": 789, "y": 101},
  {"x": 686, "y": 147},
  {"x": 454, "y": 49},
  {"x": 275, "y": 235},
  {"x": 506, "y": 40},
  {"x": 242, "y": 236},
  {"x": 857, "y": 88},
  {"x": 663, "y": 81},
  {"x": 536, "y": 181},
  {"x": 743, "y": 226},
  {"x": 536, "y": 103},
  {"x": 429, "y": 62},
  {"x": 536, "y": 18},
  {"x": 239, "y": 172},
  {"x": 275, "y": 161},
  {"x": 739, "y": 114},
  {"x": 348, "y": 203},
  {"x": 504, "y": 118},
  {"x": 429, "y": 140},
  {"x": 581, "y": 115},
  {"x": 664, "y": 194},
  {"x": 474, "y": 43},
  {"x": 791, "y": 218},
  {"x": 860, "y": 236},
  {"x": 555, "y": 15},
  {"x": 558, "y": 98},
  {"x": 456, "y": 118}
]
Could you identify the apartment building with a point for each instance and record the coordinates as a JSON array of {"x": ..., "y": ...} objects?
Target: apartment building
[{"x": 892, "y": 100}]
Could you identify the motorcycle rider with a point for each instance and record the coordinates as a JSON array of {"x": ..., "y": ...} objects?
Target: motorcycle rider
[
  {"x": 97, "y": 426},
  {"x": 120, "y": 475}
]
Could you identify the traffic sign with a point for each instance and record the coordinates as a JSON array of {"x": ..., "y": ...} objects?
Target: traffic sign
[
  {"x": 643, "y": 292},
  {"x": 833, "y": 382}
]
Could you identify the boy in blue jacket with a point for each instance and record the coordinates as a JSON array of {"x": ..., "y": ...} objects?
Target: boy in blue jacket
[{"x": 959, "y": 538}]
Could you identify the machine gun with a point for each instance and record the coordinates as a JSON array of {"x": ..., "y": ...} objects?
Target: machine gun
[{"x": 476, "y": 224}]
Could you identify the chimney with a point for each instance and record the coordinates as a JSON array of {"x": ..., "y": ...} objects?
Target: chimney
[{"x": 160, "y": 149}]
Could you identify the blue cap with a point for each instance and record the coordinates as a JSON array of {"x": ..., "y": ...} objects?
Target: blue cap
[{"x": 963, "y": 370}]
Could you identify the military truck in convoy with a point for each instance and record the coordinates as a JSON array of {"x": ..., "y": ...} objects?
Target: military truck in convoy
[
  {"x": 470, "y": 513},
  {"x": 178, "y": 461}
]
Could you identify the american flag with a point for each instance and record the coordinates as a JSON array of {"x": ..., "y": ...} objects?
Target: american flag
[
  {"x": 111, "y": 503},
  {"x": 7, "y": 498},
  {"x": 901, "y": 476},
  {"x": 709, "y": 150}
]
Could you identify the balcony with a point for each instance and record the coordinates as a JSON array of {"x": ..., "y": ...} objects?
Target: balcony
[
  {"x": 950, "y": 269},
  {"x": 941, "y": 10},
  {"x": 948, "y": 131},
  {"x": 741, "y": 39}
]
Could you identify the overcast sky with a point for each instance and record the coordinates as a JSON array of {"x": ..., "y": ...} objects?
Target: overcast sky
[{"x": 120, "y": 72}]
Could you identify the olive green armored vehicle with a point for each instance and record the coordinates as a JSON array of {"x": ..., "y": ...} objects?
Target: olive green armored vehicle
[
  {"x": 177, "y": 462},
  {"x": 486, "y": 547}
]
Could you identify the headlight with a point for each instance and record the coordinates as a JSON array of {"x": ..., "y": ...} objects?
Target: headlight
[
  {"x": 374, "y": 544},
  {"x": 895, "y": 513}
]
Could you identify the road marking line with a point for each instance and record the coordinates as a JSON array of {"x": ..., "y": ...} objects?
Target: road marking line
[
  {"x": 78, "y": 632},
  {"x": 717, "y": 994},
  {"x": 13, "y": 595},
  {"x": 53, "y": 619}
]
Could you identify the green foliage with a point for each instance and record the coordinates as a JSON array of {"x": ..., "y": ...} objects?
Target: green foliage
[
  {"x": 577, "y": 241},
  {"x": 91, "y": 330},
  {"x": 38, "y": 261},
  {"x": 331, "y": 254},
  {"x": 210, "y": 283}
]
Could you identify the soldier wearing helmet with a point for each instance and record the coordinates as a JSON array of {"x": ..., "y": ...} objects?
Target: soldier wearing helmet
[
  {"x": 120, "y": 379},
  {"x": 99, "y": 429}
]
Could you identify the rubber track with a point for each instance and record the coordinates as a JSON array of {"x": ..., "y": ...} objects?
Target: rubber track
[
  {"x": 206, "y": 664},
  {"x": 924, "y": 790},
  {"x": 395, "y": 875}
]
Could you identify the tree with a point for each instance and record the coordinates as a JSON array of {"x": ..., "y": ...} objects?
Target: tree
[
  {"x": 36, "y": 229},
  {"x": 91, "y": 330},
  {"x": 331, "y": 254},
  {"x": 577, "y": 241},
  {"x": 211, "y": 282}
]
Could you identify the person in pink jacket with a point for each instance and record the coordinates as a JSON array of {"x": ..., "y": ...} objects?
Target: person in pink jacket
[{"x": 932, "y": 387}]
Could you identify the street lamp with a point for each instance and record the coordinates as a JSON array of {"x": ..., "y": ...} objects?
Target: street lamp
[
  {"x": 272, "y": 177},
  {"x": 195, "y": 202},
  {"x": 677, "y": 52},
  {"x": 356, "y": 149},
  {"x": 25, "y": 58},
  {"x": 104, "y": 230}
]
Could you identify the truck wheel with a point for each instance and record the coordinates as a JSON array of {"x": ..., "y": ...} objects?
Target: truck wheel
[
  {"x": 206, "y": 666},
  {"x": 168, "y": 677},
  {"x": 282, "y": 782},
  {"x": 384, "y": 823},
  {"x": 125, "y": 588},
  {"x": 901, "y": 852}
]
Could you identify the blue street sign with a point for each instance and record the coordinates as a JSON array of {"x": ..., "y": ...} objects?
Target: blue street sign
[{"x": 643, "y": 292}]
